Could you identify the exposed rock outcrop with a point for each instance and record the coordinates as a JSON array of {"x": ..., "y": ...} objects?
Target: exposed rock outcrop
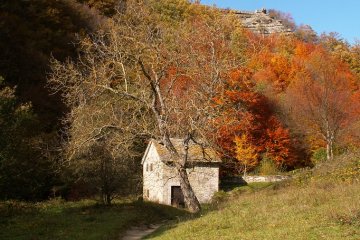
[{"x": 260, "y": 22}]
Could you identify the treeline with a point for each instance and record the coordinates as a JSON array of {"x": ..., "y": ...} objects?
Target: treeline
[{"x": 289, "y": 100}]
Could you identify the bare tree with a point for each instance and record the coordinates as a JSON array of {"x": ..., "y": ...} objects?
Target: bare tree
[{"x": 162, "y": 77}]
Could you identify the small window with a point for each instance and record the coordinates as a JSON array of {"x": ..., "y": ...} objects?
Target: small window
[
  {"x": 151, "y": 167},
  {"x": 147, "y": 193}
]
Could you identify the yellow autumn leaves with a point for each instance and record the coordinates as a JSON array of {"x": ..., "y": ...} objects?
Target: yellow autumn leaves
[{"x": 245, "y": 152}]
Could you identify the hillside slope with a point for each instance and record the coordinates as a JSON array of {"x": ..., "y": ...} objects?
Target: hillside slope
[{"x": 320, "y": 204}]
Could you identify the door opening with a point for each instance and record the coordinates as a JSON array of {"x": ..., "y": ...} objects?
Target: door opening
[{"x": 177, "y": 197}]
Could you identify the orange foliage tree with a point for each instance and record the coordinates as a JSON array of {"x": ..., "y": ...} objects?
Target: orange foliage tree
[
  {"x": 250, "y": 113},
  {"x": 319, "y": 83},
  {"x": 255, "y": 73},
  {"x": 253, "y": 98},
  {"x": 321, "y": 98}
]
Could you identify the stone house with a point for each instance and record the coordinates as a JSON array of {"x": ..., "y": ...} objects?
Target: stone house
[{"x": 161, "y": 182}]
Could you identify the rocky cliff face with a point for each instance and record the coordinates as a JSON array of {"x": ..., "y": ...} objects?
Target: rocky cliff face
[{"x": 260, "y": 22}]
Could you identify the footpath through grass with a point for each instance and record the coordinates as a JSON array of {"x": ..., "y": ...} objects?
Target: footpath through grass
[
  {"x": 85, "y": 220},
  {"x": 323, "y": 203}
]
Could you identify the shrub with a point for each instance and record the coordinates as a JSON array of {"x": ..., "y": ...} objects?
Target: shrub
[
  {"x": 268, "y": 167},
  {"x": 219, "y": 197},
  {"x": 318, "y": 156}
]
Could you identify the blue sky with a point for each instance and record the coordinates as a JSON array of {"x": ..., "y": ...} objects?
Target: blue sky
[{"x": 342, "y": 16}]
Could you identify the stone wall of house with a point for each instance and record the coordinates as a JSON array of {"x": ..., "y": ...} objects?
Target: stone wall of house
[
  {"x": 203, "y": 179},
  {"x": 152, "y": 180},
  {"x": 158, "y": 178}
]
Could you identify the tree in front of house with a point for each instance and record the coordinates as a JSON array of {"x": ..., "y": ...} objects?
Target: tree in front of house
[{"x": 135, "y": 67}]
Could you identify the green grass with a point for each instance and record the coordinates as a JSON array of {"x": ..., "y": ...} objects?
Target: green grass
[
  {"x": 323, "y": 203},
  {"x": 57, "y": 219}
]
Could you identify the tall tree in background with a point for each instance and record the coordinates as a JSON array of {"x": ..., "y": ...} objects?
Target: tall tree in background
[
  {"x": 247, "y": 111},
  {"x": 321, "y": 98}
]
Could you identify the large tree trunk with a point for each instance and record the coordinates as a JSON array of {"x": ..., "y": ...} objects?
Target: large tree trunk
[
  {"x": 190, "y": 198},
  {"x": 191, "y": 201},
  {"x": 158, "y": 108}
]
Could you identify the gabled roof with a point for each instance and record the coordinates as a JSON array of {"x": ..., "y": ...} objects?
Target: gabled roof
[{"x": 196, "y": 152}]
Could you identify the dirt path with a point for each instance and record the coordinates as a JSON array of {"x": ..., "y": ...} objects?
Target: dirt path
[{"x": 136, "y": 233}]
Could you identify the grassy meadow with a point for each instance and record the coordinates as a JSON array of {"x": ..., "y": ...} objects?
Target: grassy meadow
[
  {"x": 318, "y": 203},
  {"x": 84, "y": 220},
  {"x": 322, "y": 203}
]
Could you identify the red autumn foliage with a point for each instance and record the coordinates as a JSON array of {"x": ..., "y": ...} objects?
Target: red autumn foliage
[
  {"x": 253, "y": 92},
  {"x": 251, "y": 113}
]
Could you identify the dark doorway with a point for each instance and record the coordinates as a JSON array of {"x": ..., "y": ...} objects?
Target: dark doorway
[{"x": 177, "y": 197}]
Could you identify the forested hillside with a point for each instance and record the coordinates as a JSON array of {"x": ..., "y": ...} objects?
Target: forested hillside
[{"x": 85, "y": 84}]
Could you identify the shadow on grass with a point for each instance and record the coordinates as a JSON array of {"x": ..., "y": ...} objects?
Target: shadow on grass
[
  {"x": 57, "y": 219},
  {"x": 220, "y": 198},
  {"x": 229, "y": 184},
  {"x": 88, "y": 220}
]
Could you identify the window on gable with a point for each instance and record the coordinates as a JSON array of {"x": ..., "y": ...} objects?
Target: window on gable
[{"x": 151, "y": 167}]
